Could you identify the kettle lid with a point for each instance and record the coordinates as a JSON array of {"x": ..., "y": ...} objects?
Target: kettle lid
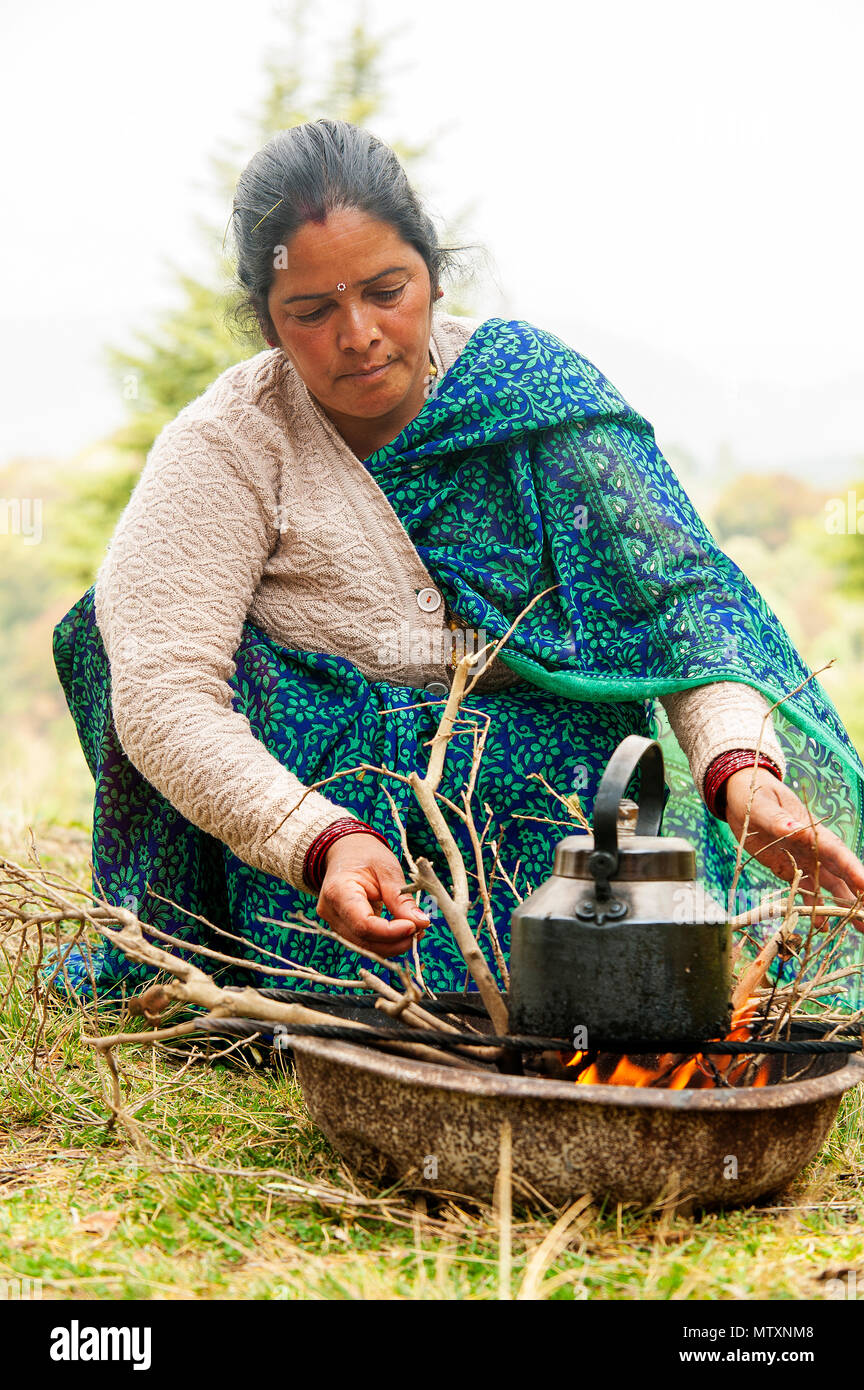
[
  {"x": 640, "y": 857},
  {"x": 617, "y": 847}
]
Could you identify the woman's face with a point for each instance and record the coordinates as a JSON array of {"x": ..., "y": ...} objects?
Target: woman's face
[{"x": 351, "y": 303}]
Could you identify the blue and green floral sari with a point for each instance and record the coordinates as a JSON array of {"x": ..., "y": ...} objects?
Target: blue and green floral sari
[{"x": 526, "y": 471}]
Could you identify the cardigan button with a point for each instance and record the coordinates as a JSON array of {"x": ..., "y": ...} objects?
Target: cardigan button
[{"x": 428, "y": 600}]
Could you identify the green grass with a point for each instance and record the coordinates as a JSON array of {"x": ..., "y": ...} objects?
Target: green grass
[{"x": 188, "y": 1203}]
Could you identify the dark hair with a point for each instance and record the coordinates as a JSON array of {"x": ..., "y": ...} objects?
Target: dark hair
[{"x": 303, "y": 174}]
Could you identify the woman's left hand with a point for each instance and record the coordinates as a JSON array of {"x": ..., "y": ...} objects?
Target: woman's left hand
[{"x": 779, "y": 826}]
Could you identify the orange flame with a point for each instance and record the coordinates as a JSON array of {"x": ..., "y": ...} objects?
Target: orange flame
[{"x": 674, "y": 1072}]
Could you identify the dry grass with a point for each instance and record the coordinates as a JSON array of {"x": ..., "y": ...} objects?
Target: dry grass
[{"x": 227, "y": 1190}]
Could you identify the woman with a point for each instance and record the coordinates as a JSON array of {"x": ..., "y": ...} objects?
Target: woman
[{"x": 280, "y": 598}]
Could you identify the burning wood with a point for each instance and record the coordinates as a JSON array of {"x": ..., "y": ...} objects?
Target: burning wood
[{"x": 673, "y": 1071}]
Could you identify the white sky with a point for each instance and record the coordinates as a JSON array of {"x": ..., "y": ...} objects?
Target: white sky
[{"x": 673, "y": 187}]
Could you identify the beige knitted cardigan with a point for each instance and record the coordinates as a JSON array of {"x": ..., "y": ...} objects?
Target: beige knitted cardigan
[{"x": 251, "y": 505}]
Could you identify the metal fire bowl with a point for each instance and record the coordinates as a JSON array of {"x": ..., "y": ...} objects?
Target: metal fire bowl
[{"x": 395, "y": 1117}]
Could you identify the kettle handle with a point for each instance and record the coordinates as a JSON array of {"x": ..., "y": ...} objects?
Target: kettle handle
[{"x": 631, "y": 751}]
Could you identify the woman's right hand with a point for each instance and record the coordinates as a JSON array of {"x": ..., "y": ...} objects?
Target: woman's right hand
[{"x": 362, "y": 876}]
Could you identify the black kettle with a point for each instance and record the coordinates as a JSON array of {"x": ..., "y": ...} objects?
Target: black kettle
[{"x": 621, "y": 945}]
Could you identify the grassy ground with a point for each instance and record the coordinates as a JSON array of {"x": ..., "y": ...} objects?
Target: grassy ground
[{"x": 225, "y": 1189}]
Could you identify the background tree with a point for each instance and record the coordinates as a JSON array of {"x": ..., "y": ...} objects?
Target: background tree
[
  {"x": 840, "y": 543},
  {"x": 765, "y": 505}
]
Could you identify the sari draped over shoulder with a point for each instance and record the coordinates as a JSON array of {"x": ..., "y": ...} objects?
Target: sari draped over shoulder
[{"x": 525, "y": 472}]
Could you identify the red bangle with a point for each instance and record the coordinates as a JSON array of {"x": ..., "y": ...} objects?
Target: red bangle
[
  {"x": 313, "y": 863},
  {"x": 721, "y": 769}
]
